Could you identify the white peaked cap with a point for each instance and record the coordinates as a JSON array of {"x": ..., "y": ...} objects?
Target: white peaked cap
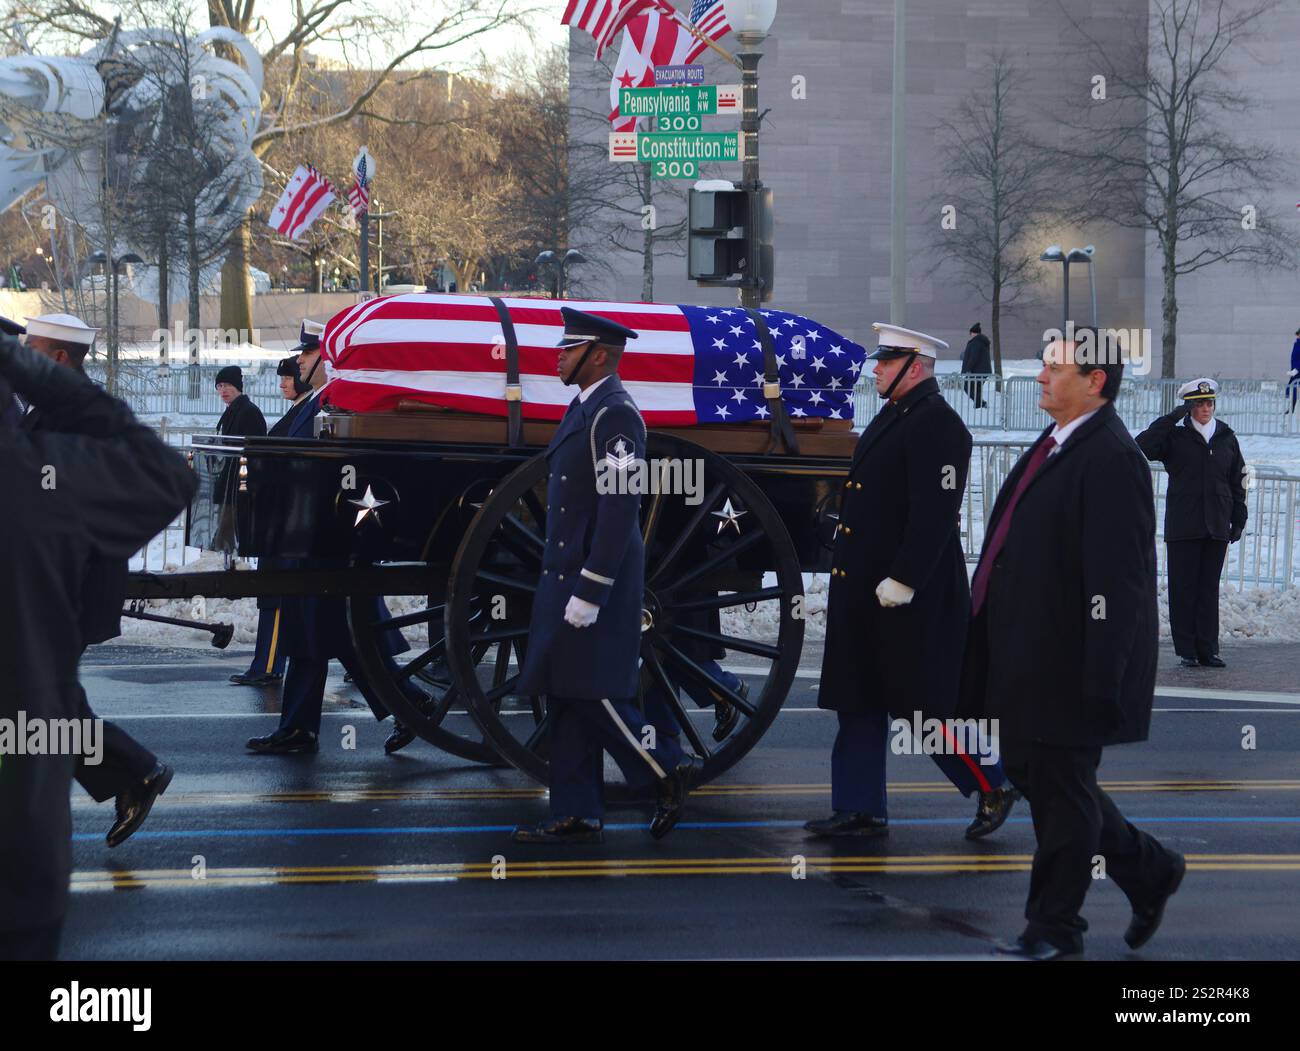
[
  {"x": 61, "y": 326},
  {"x": 313, "y": 328},
  {"x": 892, "y": 337},
  {"x": 1199, "y": 388}
]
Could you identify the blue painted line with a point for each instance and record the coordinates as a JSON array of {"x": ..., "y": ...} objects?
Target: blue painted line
[{"x": 446, "y": 830}]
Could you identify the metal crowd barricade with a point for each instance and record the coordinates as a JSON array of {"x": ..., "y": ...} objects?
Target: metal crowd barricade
[{"x": 189, "y": 390}]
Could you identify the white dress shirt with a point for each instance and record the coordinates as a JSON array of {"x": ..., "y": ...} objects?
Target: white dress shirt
[
  {"x": 585, "y": 393},
  {"x": 1062, "y": 433}
]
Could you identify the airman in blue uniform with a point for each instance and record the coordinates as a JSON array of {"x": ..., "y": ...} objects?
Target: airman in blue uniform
[{"x": 585, "y": 629}]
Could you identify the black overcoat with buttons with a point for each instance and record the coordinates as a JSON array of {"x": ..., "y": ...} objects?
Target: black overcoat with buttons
[
  {"x": 594, "y": 551},
  {"x": 900, "y": 518},
  {"x": 1207, "y": 480}
]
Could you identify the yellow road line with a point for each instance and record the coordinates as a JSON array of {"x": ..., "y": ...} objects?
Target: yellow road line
[
  {"x": 370, "y": 795},
  {"x": 926, "y": 864}
]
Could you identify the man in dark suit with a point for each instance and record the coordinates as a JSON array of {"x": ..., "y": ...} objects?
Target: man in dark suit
[
  {"x": 585, "y": 629},
  {"x": 115, "y": 486},
  {"x": 267, "y": 667},
  {"x": 1062, "y": 647},
  {"x": 976, "y": 361},
  {"x": 1205, "y": 511},
  {"x": 130, "y": 774},
  {"x": 240, "y": 418},
  {"x": 315, "y": 629},
  {"x": 896, "y": 612}
]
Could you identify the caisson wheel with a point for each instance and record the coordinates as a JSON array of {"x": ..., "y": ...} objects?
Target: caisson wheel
[{"x": 721, "y": 613}]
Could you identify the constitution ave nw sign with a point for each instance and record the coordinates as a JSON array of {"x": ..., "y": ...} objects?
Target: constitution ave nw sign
[
  {"x": 676, "y": 156},
  {"x": 706, "y": 100}
]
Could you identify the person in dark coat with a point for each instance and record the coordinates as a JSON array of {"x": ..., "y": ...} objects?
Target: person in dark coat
[
  {"x": 314, "y": 629},
  {"x": 896, "y": 611},
  {"x": 243, "y": 419},
  {"x": 585, "y": 630},
  {"x": 976, "y": 361},
  {"x": 1062, "y": 647},
  {"x": 267, "y": 667},
  {"x": 1293, "y": 377},
  {"x": 1205, "y": 511},
  {"x": 115, "y": 485},
  {"x": 130, "y": 774}
]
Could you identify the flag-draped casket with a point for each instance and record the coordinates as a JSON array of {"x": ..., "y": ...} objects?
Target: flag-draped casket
[{"x": 689, "y": 365}]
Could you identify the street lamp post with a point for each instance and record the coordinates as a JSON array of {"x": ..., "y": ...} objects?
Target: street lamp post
[
  {"x": 561, "y": 263},
  {"x": 751, "y": 20},
  {"x": 1056, "y": 254}
]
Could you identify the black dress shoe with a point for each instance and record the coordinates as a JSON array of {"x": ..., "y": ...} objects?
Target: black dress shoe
[
  {"x": 401, "y": 736},
  {"x": 1146, "y": 920},
  {"x": 133, "y": 806},
  {"x": 284, "y": 742},
  {"x": 247, "y": 679},
  {"x": 561, "y": 830},
  {"x": 1189, "y": 662},
  {"x": 726, "y": 714},
  {"x": 849, "y": 823},
  {"x": 992, "y": 811},
  {"x": 1213, "y": 662},
  {"x": 673, "y": 791},
  {"x": 1038, "y": 949}
]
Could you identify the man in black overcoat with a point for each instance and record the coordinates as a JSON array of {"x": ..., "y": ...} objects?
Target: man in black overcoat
[
  {"x": 976, "y": 361},
  {"x": 1062, "y": 647},
  {"x": 584, "y": 636},
  {"x": 92, "y": 481},
  {"x": 1205, "y": 511},
  {"x": 896, "y": 612},
  {"x": 130, "y": 774}
]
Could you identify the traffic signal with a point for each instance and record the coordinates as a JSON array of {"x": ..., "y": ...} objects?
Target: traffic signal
[
  {"x": 718, "y": 247},
  {"x": 730, "y": 239}
]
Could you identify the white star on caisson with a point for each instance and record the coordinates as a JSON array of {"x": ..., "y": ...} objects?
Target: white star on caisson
[
  {"x": 741, "y": 358},
  {"x": 797, "y": 412},
  {"x": 738, "y": 396},
  {"x": 836, "y": 350},
  {"x": 780, "y": 361},
  {"x": 721, "y": 344},
  {"x": 719, "y": 378},
  {"x": 714, "y": 318},
  {"x": 759, "y": 379},
  {"x": 814, "y": 335},
  {"x": 834, "y": 383},
  {"x": 758, "y": 345},
  {"x": 797, "y": 381},
  {"x": 835, "y": 414},
  {"x": 815, "y": 398},
  {"x": 790, "y": 321},
  {"x": 730, "y": 517},
  {"x": 761, "y": 412},
  {"x": 736, "y": 330},
  {"x": 818, "y": 364},
  {"x": 369, "y": 505},
  {"x": 854, "y": 366},
  {"x": 728, "y": 312}
]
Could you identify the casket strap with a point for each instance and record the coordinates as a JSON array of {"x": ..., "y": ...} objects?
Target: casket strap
[
  {"x": 514, "y": 390},
  {"x": 783, "y": 438}
]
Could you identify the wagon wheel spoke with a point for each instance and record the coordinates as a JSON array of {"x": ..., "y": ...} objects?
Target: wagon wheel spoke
[
  {"x": 505, "y": 634},
  {"x": 653, "y": 515},
  {"x": 759, "y": 649},
  {"x": 723, "y": 601},
  {"x": 684, "y": 537},
  {"x": 529, "y": 536},
  {"x": 692, "y": 669},
  {"x": 669, "y": 690},
  {"x": 535, "y": 506},
  {"x": 426, "y": 658},
  {"x": 719, "y": 559},
  {"x": 502, "y": 581},
  {"x": 406, "y": 620}
]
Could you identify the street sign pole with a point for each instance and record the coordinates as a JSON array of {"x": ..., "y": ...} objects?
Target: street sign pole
[{"x": 751, "y": 291}]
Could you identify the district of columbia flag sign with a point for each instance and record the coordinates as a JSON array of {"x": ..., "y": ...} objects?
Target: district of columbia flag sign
[{"x": 304, "y": 200}]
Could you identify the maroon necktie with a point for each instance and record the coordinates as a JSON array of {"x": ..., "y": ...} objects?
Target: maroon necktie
[{"x": 980, "y": 586}]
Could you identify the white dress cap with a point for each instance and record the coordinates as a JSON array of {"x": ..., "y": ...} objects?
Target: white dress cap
[{"x": 61, "y": 326}]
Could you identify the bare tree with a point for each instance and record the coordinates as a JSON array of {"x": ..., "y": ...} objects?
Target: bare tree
[
  {"x": 1157, "y": 152},
  {"x": 995, "y": 180}
]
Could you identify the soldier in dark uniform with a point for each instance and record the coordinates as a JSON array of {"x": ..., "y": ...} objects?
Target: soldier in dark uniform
[
  {"x": 115, "y": 485},
  {"x": 130, "y": 774},
  {"x": 585, "y": 631},
  {"x": 899, "y": 597},
  {"x": 267, "y": 667},
  {"x": 315, "y": 628},
  {"x": 1205, "y": 511}
]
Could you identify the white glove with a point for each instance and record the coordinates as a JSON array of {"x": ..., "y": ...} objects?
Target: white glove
[
  {"x": 891, "y": 593},
  {"x": 581, "y": 613},
  {"x": 1295, "y": 373}
]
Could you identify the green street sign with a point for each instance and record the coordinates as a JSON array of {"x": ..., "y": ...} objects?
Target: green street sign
[
  {"x": 709, "y": 148},
  {"x": 674, "y": 170},
  {"x": 703, "y": 100}
]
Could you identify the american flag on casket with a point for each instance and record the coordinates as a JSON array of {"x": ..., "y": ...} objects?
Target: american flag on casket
[{"x": 689, "y": 365}]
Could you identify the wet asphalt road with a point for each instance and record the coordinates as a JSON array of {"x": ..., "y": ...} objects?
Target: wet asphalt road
[{"x": 350, "y": 854}]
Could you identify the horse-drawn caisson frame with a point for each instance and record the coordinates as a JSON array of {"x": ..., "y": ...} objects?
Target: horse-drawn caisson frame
[{"x": 444, "y": 514}]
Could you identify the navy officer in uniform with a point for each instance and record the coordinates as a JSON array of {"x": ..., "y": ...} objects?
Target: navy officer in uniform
[
  {"x": 1205, "y": 511},
  {"x": 585, "y": 630},
  {"x": 899, "y": 597}
]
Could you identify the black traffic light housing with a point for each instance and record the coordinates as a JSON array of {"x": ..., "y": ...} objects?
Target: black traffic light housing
[{"x": 730, "y": 238}]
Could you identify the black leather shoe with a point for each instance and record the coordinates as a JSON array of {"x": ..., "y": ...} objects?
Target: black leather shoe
[
  {"x": 255, "y": 680},
  {"x": 561, "y": 830},
  {"x": 673, "y": 791},
  {"x": 726, "y": 714},
  {"x": 1038, "y": 950},
  {"x": 1146, "y": 920},
  {"x": 1214, "y": 662},
  {"x": 401, "y": 736},
  {"x": 1189, "y": 662},
  {"x": 284, "y": 742},
  {"x": 992, "y": 811},
  {"x": 849, "y": 823},
  {"x": 134, "y": 806}
]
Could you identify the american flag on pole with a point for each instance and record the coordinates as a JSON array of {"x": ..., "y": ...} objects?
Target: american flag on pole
[
  {"x": 689, "y": 365},
  {"x": 604, "y": 18},
  {"x": 304, "y": 200},
  {"x": 710, "y": 18},
  {"x": 359, "y": 198}
]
